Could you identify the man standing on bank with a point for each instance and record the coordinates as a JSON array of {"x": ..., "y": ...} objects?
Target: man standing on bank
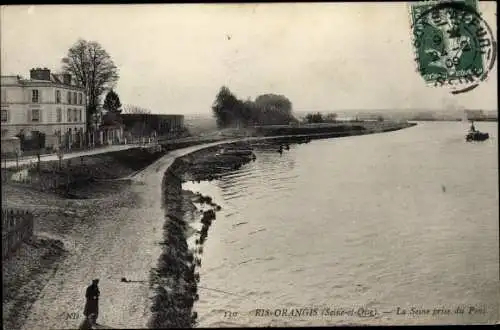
[{"x": 92, "y": 303}]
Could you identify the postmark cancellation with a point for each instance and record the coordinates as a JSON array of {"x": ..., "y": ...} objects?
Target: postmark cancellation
[{"x": 454, "y": 46}]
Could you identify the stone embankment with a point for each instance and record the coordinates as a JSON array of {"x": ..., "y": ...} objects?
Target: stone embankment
[{"x": 174, "y": 280}]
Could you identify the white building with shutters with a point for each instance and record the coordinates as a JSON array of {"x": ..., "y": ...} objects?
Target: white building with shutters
[{"x": 52, "y": 104}]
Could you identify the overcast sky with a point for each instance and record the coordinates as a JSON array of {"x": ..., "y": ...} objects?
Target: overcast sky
[{"x": 173, "y": 58}]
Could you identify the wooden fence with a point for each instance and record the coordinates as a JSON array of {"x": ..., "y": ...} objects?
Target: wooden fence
[{"x": 17, "y": 226}]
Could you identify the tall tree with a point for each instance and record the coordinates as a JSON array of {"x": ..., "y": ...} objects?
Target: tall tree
[
  {"x": 112, "y": 102},
  {"x": 94, "y": 69},
  {"x": 267, "y": 109},
  {"x": 224, "y": 107}
]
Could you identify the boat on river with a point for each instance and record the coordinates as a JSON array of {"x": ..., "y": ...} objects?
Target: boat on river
[{"x": 476, "y": 136}]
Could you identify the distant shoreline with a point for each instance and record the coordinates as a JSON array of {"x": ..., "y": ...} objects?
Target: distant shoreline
[{"x": 459, "y": 120}]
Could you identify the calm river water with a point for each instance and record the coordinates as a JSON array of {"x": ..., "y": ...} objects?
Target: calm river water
[{"x": 405, "y": 219}]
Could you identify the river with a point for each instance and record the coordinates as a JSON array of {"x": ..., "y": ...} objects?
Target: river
[{"x": 406, "y": 219}]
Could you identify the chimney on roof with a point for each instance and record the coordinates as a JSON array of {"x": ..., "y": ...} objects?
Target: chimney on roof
[
  {"x": 40, "y": 74},
  {"x": 66, "y": 78}
]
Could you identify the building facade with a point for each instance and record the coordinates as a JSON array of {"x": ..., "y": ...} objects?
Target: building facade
[{"x": 47, "y": 105}]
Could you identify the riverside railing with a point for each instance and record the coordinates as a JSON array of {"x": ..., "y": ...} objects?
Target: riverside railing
[{"x": 17, "y": 227}]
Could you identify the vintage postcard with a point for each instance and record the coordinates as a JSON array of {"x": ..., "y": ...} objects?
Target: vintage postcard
[{"x": 249, "y": 165}]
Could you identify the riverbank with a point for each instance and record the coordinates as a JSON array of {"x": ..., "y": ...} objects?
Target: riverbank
[
  {"x": 339, "y": 129},
  {"x": 174, "y": 280}
]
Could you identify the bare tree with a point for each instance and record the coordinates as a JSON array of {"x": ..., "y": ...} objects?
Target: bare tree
[
  {"x": 93, "y": 68},
  {"x": 130, "y": 108}
]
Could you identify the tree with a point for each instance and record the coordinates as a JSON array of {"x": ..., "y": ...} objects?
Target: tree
[
  {"x": 225, "y": 107},
  {"x": 94, "y": 69},
  {"x": 274, "y": 102},
  {"x": 314, "y": 118},
  {"x": 267, "y": 109},
  {"x": 112, "y": 102}
]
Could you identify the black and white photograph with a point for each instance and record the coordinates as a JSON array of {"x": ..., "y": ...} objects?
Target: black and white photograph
[{"x": 212, "y": 165}]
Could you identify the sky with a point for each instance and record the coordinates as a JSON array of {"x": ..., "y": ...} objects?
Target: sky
[{"x": 173, "y": 58}]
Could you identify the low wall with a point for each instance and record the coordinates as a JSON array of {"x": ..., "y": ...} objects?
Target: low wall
[
  {"x": 17, "y": 226},
  {"x": 173, "y": 281}
]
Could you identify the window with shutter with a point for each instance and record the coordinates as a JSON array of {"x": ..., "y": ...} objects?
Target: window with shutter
[{"x": 35, "y": 97}]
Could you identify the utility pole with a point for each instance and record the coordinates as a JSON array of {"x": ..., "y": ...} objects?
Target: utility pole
[
  {"x": 17, "y": 159},
  {"x": 60, "y": 155}
]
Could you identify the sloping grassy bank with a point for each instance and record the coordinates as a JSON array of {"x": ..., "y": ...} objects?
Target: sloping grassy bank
[{"x": 62, "y": 177}]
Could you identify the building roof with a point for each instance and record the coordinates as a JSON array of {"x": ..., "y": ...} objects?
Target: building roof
[
  {"x": 54, "y": 78},
  {"x": 20, "y": 81}
]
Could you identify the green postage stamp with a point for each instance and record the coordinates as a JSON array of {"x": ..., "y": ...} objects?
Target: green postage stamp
[{"x": 453, "y": 44}]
